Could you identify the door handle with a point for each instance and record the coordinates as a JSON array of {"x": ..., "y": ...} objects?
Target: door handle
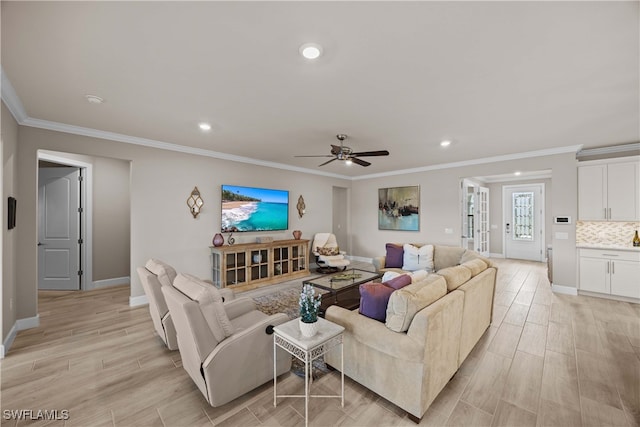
[
  {"x": 605, "y": 213},
  {"x": 609, "y": 213},
  {"x": 613, "y": 267},
  {"x": 41, "y": 244},
  {"x": 507, "y": 230}
]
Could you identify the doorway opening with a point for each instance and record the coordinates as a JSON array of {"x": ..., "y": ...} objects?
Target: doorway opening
[{"x": 64, "y": 223}]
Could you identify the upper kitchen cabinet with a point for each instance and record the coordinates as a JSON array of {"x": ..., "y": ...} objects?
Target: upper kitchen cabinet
[{"x": 608, "y": 190}]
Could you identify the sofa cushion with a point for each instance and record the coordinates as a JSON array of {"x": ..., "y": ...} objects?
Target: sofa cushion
[
  {"x": 373, "y": 300},
  {"x": 447, "y": 256},
  {"x": 415, "y": 258},
  {"x": 476, "y": 266},
  {"x": 455, "y": 276},
  {"x": 210, "y": 301},
  {"x": 394, "y": 256},
  {"x": 469, "y": 255},
  {"x": 406, "y": 302},
  {"x": 165, "y": 273},
  {"x": 398, "y": 282}
]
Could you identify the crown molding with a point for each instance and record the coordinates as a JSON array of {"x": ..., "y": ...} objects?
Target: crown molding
[
  {"x": 11, "y": 99},
  {"x": 134, "y": 140},
  {"x": 589, "y": 152},
  {"x": 14, "y": 105},
  {"x": 485, "y": 160}
]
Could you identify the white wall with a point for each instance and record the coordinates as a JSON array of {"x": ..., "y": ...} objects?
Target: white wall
[
  {"x": 161, "y": 224},
  {"x": 440, "y": 207}
]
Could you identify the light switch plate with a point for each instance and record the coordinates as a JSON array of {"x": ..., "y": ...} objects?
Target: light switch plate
[{"x": 448, "y": 231}]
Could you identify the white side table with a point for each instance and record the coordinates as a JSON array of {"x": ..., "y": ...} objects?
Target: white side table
[{"x": 288, "y": 337}]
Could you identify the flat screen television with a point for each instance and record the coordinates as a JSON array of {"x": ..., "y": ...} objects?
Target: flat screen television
[{"x": 254, "y": 209}]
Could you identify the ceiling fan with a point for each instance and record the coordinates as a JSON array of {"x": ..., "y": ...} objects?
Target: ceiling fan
[{"x": 342, "y": 152}]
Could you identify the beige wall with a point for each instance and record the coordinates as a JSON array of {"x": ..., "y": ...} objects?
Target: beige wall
[
  {"x": 111, "y": 218},
  {"x": 440, "y": 207},
  {"x": 9, "y": 135},
  {"x": 496, "y": 212},
  {"x": 161, "y": 225}
]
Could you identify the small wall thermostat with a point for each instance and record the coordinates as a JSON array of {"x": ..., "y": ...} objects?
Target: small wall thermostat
[{"x": 562, "y": 220}]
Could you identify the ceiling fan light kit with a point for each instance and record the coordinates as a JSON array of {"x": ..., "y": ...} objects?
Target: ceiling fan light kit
[{"x": 346, "y": 154}]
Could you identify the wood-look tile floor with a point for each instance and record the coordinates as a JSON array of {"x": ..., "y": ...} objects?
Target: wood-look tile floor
[{"x": 547, "y": 360}]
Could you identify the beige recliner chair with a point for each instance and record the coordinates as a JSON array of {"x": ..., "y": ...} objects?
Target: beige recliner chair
[
  {"x": 329, "y": 257},
  {"x": 154, "y": 275},
  {"x": 227, "y": 349}
]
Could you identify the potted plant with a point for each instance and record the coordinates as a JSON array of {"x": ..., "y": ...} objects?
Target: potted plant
[{"x": 309, "y": 307}]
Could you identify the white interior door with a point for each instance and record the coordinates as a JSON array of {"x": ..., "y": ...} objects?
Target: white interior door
[
  {"x": 59, "y": 228},
  {"x": 523, "y": 221},
  {"x": 481, "y": 220}
]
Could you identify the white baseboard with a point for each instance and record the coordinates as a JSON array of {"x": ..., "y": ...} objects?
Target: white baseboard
[
  {"x": 492, "y": 255},
  {"x": 28, "y": 323},
  {"x": 20, "y": 325},
  {"x": 611, "y": 297},
  {"x": 8, "y": 341},
  {"x": 567, "y": 290},
  {"x": 138, "y": 301},
  {"x": 110, "y": 282}
]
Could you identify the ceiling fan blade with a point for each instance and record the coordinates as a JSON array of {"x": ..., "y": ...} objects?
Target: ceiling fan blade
[
  {"x": 328, "y": 161},
  {"x": 371, "y": 153},
  {"x": 320, "y": 155},
  {"x": 359, "y": 161}
]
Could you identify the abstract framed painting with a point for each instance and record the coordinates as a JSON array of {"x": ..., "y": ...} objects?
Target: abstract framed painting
[{"x": 399, "y": 208}]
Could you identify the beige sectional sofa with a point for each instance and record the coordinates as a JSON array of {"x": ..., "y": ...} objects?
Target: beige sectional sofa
[{"x": 431, "y": 327}]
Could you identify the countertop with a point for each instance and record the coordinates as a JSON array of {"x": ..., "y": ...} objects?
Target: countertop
[{"x": 628, "y": 248}]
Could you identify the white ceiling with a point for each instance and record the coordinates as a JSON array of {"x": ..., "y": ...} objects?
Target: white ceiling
[{"x": 494, "y": 77}]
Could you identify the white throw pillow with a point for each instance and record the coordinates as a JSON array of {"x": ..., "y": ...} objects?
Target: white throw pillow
[
  {"x": 389, "y": 275},
  {"x": 417, "y": 258}
]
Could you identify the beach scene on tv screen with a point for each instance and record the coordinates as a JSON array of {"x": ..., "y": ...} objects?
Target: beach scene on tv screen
[{"x": 254, "y": 209}]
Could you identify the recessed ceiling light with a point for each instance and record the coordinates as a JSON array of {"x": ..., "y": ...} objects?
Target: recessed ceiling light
[
  {"x": 517, "y": 173},
  {"x": 311, "y": 50},
  {"x": 93, "y": 99},
  {"x": 445, "y": 143},
  {"x": 204, "y": 126}
]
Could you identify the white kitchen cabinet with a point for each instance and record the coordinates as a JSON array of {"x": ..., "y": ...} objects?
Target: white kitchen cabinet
[
  {"x": 610, "y": 272},
  {"x": 608, "y": 190}
]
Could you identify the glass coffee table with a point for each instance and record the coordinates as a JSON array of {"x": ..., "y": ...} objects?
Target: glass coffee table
[{"x": 342, "y": 289}]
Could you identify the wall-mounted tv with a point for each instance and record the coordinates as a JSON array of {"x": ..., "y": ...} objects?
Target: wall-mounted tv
[{"x": 254, "y": 209}]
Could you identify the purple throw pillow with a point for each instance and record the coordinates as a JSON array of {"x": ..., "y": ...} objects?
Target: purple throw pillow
[
  {"x": 395, "y": 255},
  {"x": 398, "y": 282},
  {"x": 374, "y": 298}
]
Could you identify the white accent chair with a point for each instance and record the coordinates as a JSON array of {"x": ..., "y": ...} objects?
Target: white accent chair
[
  {"x": 227, "y": 349},
  {"x": 328, "y": 255},
  {"x": 154, "y": 275}
]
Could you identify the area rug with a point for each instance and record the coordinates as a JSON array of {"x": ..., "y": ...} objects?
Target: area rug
[{"x": 287, "y": 302}]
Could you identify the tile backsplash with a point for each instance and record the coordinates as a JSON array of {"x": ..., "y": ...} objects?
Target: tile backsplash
[{"x": 609, "y": 233}]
